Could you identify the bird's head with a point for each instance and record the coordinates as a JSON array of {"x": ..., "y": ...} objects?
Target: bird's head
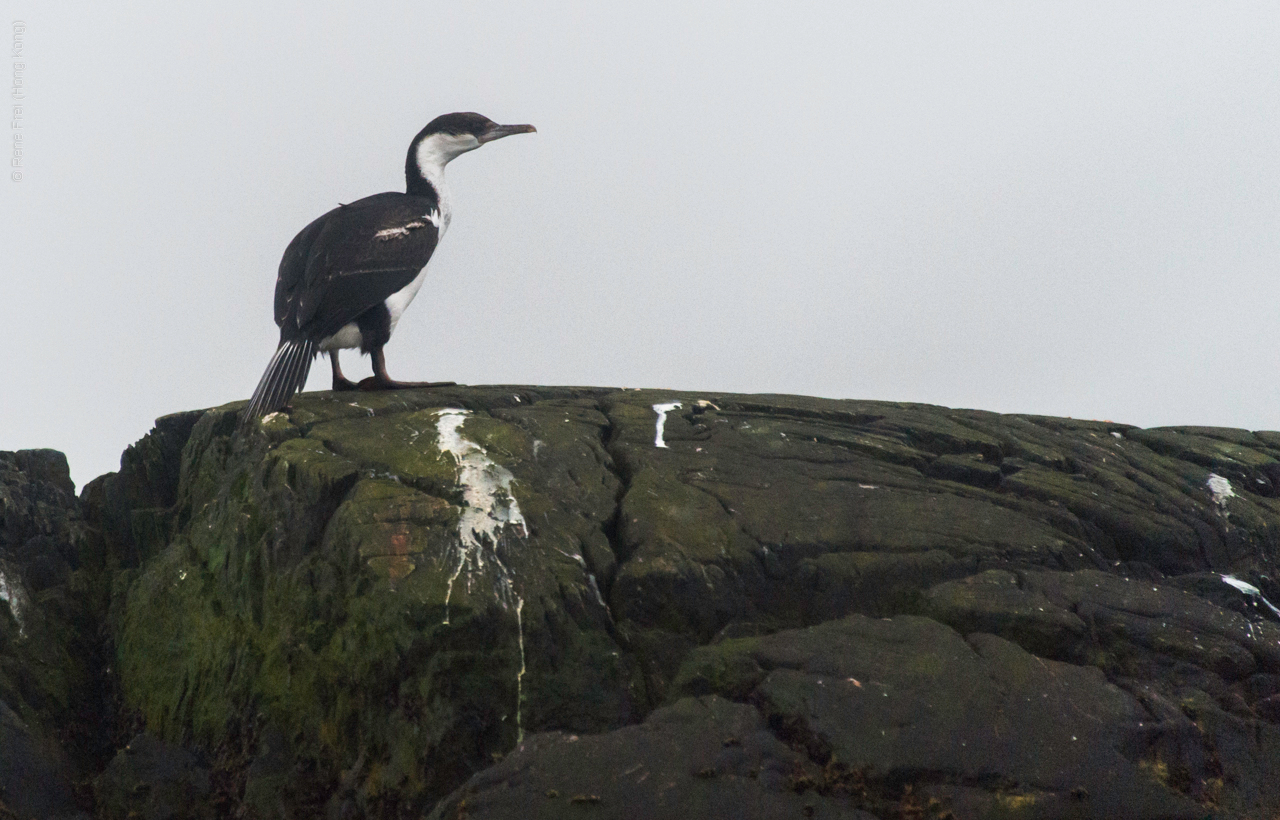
[{"x": 450, "y": 135}]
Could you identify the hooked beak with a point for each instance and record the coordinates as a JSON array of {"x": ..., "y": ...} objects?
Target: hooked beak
[{"x": 497, "y": 132}]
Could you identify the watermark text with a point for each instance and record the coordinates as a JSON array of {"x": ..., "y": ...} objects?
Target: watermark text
[{"x": 18, "y": 100}]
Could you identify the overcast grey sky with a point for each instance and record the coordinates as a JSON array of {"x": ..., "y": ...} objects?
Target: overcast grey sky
[{"x": 1061, "y": 208}]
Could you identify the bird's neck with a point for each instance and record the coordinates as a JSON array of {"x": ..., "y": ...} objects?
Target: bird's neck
[
  {"x": 424, "y": 176},
  {"x": 426, "y": 181}
]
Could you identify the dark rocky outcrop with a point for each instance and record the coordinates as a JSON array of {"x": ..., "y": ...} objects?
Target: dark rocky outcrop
[
  {"x": 51, "y": 653},
  {"x": 153, "y": 780},
  {"x": 514, "y": 602}
]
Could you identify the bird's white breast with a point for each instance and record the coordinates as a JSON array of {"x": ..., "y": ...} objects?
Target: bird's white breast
[
  {"x": 348, "y": 336},
  {"x": 398, "y": 301}
]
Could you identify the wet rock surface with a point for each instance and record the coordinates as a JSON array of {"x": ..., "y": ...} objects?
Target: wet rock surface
[
  {"x": 511, "y": 602},
  {"x": 703, "y": 757},
  {"x": 35, "y": 780},
  {"x": 152, "y": 780}
]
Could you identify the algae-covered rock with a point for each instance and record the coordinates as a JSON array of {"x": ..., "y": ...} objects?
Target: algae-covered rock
[
  {"x": 152, "y": 780},
  {"x": 133, "y": 506},
  {"x": 360, "y": 604},
  {"x": 35, "y": 778},
  {"x": 387, "y": 583}
]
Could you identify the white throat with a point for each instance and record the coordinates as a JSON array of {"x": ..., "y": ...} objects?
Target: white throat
[{"x": 433, "y": 154}]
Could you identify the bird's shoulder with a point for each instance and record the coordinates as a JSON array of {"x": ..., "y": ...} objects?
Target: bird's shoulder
[{"x": 379, "y": 227}]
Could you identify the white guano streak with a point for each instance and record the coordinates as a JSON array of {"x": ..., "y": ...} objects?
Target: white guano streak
[
  {"x": 490, "y": 507},
  {"x": 491, "y": 510},
  {"x": 1221, "y": 490},
  {"x": 1248, "y": 589},
  {"x": 12, "y": 595},
  {"x": 662, "y": 410}
]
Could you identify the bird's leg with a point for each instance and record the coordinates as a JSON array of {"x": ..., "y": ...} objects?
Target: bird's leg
[
  {"x": 381, "y": 381},
  {"x": 340, "y": 382}
]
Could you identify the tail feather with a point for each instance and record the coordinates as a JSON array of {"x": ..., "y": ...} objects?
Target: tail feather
[
  {"x": 281, "y": 389},
  {"x": 285, "y": 375}
]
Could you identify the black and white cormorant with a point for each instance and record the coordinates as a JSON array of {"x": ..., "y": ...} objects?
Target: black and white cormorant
[{"x": 347, "y": 277}]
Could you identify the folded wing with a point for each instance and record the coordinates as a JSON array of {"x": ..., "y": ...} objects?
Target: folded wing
[{"x": 350, "y": 260}]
